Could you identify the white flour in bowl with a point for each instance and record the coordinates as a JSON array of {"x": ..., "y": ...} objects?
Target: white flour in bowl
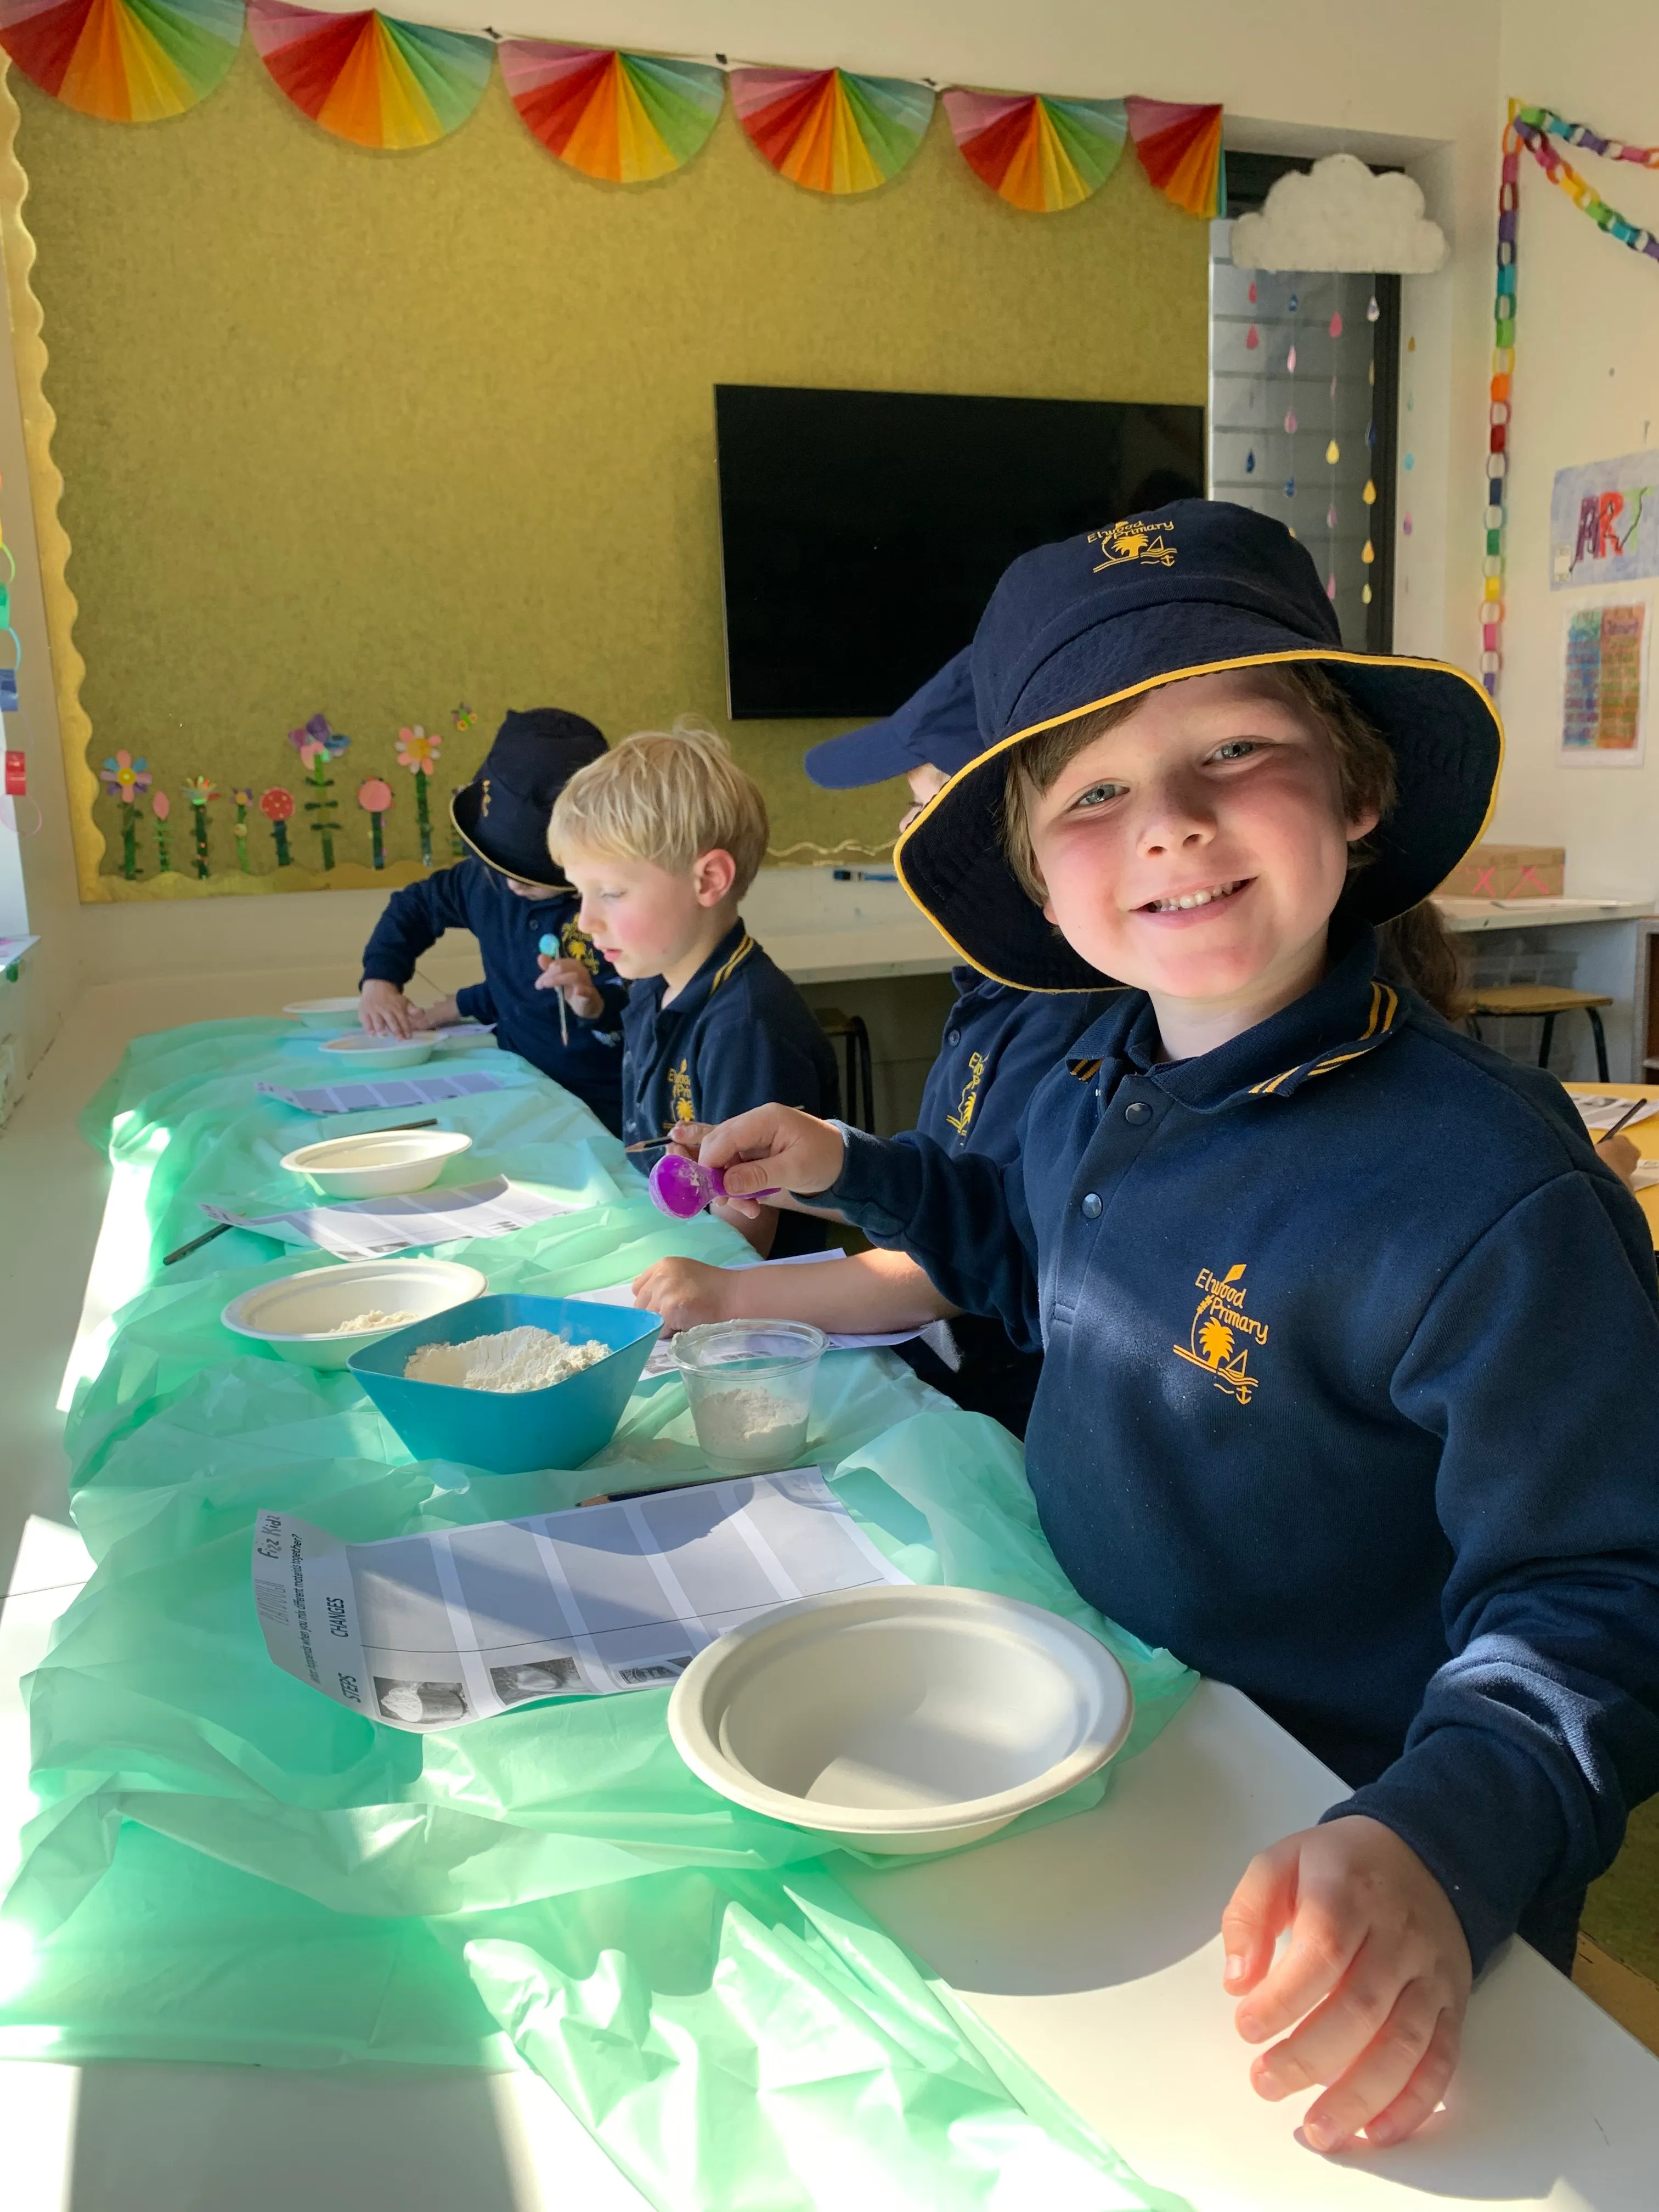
[
  {"x": 373, "y": 1319},
  {"x": 514, "y": 1359}
]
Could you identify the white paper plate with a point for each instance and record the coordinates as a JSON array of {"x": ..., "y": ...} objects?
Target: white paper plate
[
  {"x": 378, "y": 1163},
  {"x": 324, "y": 1013},
  {"x": 901, "y": 1720},
  {"x": 299, "y": 1316},
  {"x": 367, "y": 1053}
]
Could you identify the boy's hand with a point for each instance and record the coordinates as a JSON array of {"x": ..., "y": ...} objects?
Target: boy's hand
[
  {"x": 1622, "y": 1156},
  {"x": 772, "y": 1148},
  {"x": 383, "y": 1010},
  {"x": 581, "y": 993},
  {"x": 1376, "y": 1972},
  {"x": 685, "y": 1292},
  {"x": 438, "y": 1016}
]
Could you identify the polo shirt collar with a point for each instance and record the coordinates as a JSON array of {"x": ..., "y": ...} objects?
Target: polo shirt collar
[
  {"x": 722, "y": 963},
  {"x": 1349, "y": 1012}
]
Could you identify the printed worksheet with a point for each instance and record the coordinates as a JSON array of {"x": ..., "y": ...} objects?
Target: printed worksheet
[
  {"x": 434, "y": 1630},
  {"x": 387, "y": 1090},
  {"x": 370, "y": 1228}
]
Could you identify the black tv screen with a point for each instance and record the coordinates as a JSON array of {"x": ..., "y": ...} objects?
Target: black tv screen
[{"x": 861, "y": 532}]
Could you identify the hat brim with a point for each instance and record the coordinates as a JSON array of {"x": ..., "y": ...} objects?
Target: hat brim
[
  {"x": 873, "y": 755},
  {"x": 1444, "y": 732},
  {"x": 465, "y": 812}
]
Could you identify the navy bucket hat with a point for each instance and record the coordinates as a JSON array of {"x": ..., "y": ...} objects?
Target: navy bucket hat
[
  {"x": 937, "y": 727},
  {"x": 502, "y": 814},
  {"x": 1186, "y": 589}
]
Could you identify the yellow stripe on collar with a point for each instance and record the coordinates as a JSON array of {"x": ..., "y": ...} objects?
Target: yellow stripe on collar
[
  {"x": 736, "y": 961},
  {"x": 1385, "y": 1008},
  {"x": 1085, "y": 1070}
]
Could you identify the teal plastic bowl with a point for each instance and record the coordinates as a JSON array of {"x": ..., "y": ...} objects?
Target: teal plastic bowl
[{"x": 511, "y": 1432}]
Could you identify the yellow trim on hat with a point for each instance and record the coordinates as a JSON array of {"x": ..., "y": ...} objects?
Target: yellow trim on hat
[
  {"x": 1136, "y": 690},
  {"x": 553, "y": 891}
]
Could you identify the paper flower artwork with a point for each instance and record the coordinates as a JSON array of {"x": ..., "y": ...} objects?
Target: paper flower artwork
[
  {"x": 418, "y": 753},
  {"x": 371, "y": 78},
  {"x": 1338, "y": 215},
  {"x": 244, "y": 799},
  {"x": 125, "y": 777},
  {"x": 828, "y": 130},
  {"x": 317, "y": 738},
  {"x": 374, "y": 797},
  {"x": 318, "y": 745},
  {"x": 1040, "y": 155},
  {"x": 622, "y": 117},
  {"x": 464, "y": 717},
  {"x": 198, "y": 789},
  {"x": 1180, "y": 149},
  {"x": 278, "y": 807},
  {"x": 162, "y": 806},
  {"x": 124, "y": 61}
]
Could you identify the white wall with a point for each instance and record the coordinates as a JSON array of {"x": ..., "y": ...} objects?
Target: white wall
[
  {"x": 1413, "y": 81},
  {"x": 1586, "y": 387}
]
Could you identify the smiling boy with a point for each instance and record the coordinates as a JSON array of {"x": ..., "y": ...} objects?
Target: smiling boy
[{"x": 1350, "y": 1392}]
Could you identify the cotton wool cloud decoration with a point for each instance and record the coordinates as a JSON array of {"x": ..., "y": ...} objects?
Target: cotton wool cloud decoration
[{"x": 1340, "y": 216}]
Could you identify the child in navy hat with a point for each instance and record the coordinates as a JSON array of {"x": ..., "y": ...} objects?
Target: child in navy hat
[
  {"x": 510, "y": 896},
  {"x": 1351, "y": 1393},
  {"x": 997, "y": 1042}
]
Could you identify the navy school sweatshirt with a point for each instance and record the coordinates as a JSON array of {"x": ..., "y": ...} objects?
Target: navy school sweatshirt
[
  {"x": 509, "y": 930},
  {"x": 1351, "y": 1397}
]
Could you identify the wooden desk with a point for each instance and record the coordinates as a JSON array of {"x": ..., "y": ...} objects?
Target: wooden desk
[{"x": 1644, "y": 1135}]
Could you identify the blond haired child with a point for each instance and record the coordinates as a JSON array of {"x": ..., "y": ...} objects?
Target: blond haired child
[{"x": 661, "y": 837}]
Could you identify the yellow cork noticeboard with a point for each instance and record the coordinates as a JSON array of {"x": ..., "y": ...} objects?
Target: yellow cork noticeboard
[{"x": 397, "y": 438}]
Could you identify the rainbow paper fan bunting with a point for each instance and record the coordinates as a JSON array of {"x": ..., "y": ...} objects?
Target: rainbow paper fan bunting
[
  {"x": 1180, "y": 149},
  {"x": 830, "y": 132},
  {"x": 370, "y": 77},
  {"x": 124, "y": 61},
  {"x": 622, "y": 117},
  {"x": 1040, "y": 154}
]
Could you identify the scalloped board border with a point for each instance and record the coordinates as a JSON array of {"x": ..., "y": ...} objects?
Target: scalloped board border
[{"x": 46, "y": 490}]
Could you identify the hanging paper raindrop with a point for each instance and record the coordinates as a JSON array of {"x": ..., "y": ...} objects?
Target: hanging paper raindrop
[
  {"x": 1249, "y": 464},
  {"x": 124, "y": 61},
  {"x": 1365, "y": 595},
  {"x": 1410, "y": 461},
  {"x": 371, "y": 78},
  {"x": 1370, "y": 493},
  {"x": 1372, "y": 311},
  {"x": 1039, "y": 154},
  {"x": 1330, "y": 588},
  {"x": 1293, "y": 303},
  {"x": 1333, "y": 388},
  {"x": 1405, "y": 526},
  {"x": 1330, "y": 516},
  {"x": 1367, "y": 553},
  {"x": 624, "y": 119},
  {"x": 1336, "y": 323},
  {"x": 1290, "y": 487},
  {"x": 1333, "y": 453},
  {"x": 830, "y": 131},
  {"x": 1252, "y": 339},
  {"x": 1371, "y": 433},
  {"x": 1252, "y": 292},
  {"x": 1290, "y": 422},
  {"x": 1290, "y": 363}
]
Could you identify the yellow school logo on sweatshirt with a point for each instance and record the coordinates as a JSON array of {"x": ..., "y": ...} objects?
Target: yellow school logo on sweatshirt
[
  {"x": 679, "y": 1093},
  {"x": 1223, "y": 1333},
  {"x": 1152, "y": 542},
  {"x": 970, "y": 1098}
]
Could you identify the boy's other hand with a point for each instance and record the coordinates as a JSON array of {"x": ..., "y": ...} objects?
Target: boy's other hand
[
  {"x": 581, "y": 995},
  {"x": 1622, "y": 1156},
  {"x": 772, "y": 1148},
  {"x": 383, "y": 1011},
  {"x": 438, "y": 1016},
  {"x": 1376, "y": 1973},
  {"x": 685, "y": 1293}
]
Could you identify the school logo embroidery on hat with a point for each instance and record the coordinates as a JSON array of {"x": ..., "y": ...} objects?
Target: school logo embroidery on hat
[
  {"x": 484, "y": 807},
  {"x": 1135, "y": 540},
  {"x": 1212, "y": 1342}
]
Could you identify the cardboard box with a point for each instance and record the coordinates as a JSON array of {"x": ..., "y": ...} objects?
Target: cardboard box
[{"x": 1508, "y": 871}]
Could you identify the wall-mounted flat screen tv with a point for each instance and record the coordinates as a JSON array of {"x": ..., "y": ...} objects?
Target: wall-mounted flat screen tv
[{"x": 861, "y": 532}]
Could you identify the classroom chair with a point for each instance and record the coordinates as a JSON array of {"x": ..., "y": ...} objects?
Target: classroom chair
[
  {"x": 1516, "y": 1001},
  {"x": 849, "y": 1030}
]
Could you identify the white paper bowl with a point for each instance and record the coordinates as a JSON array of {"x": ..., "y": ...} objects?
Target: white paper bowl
[
  {"x": 324, "y": 1013},
  {"x": 367, "y": 1054},
  {"x": 378, "y": 1163},
  {"x": 298, "y": 1316},
  {"x": 900, "y": 1720}
]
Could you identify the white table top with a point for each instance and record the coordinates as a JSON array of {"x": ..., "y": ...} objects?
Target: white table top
[
  {"x": 1091, "y": 1947},
  {"x": 1462, "y": 915}
]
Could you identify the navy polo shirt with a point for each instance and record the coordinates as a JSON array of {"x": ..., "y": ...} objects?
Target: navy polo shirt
[
  {"x": 738, "y": 1034},
  {"x": 509, "y": 930},
  {"x": 998, "y": 1045},
  {"x": 1350, "y": 1396}
]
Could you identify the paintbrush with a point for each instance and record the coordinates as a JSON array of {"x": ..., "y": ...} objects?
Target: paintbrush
[{"x": 1629, "y": 1114}]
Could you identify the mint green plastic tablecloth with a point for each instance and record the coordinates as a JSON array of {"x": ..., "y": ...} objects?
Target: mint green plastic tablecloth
[{"x": 227, "y": 1866}]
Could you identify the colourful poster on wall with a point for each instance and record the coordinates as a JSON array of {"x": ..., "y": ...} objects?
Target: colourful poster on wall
[
  {"x": 1604, "y": 692},
  {"x": 1604, "y": 522}
]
